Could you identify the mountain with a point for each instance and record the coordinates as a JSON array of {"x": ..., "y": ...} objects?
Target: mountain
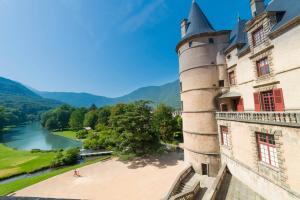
[
  {"x": 17, "y": 97},
  {"x": 168, "y": 93}
]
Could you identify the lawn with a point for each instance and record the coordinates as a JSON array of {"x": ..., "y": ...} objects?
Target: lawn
[
  {"x": 14, "y": 162},
  {"x": 8, "y": 188},
  {"x": 67, "y": 134}
]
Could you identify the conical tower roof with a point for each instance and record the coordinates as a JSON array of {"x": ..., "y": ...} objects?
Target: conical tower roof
[{"x": 197, "y": 22}]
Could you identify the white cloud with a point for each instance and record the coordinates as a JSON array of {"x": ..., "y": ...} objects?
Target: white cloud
[{"x": 135, "y": 21}]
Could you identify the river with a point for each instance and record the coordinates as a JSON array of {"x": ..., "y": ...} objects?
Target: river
[{"x": 34, "y": 136}]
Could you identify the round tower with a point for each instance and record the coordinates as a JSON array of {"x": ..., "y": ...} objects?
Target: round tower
[{"x": 201, "y": 67}]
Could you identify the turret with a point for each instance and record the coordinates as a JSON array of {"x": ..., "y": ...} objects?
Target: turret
[{"x": 200, "y": 58}]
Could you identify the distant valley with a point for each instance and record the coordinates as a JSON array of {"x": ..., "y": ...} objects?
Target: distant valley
[{"x": 16, "y": 95}]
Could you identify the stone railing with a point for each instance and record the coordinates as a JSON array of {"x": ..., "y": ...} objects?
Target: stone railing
[
  {"x": 273, "y": 118},
  {"x": 177, "y": 182},
  {"x": 212, "y": 192},
  {"x": 189, "y": 195}
]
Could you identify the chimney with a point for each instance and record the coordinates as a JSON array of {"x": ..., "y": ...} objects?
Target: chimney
[
  {"x": 184, "y": 26},
  {"x": 257, "y": 7}
]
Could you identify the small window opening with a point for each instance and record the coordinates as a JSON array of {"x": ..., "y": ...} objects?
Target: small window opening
[{"x": 211, "y": 40}]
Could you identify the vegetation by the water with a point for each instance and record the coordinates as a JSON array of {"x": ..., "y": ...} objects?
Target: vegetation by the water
[
  {"x": 13, "y": 162},
  {"x": 134, "y": 128},
  {"x": 19, "y": 104},
  {"x": 67, "y": 157},
  {"x": 11, "y": 187},
  {"x": 67, "y": 134}
]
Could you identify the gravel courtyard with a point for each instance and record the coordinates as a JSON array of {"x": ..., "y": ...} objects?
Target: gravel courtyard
[{"x": 140, "y": 179}]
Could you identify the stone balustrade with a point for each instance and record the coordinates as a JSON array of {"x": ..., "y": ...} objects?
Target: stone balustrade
[{"x": 272, "y": 118}]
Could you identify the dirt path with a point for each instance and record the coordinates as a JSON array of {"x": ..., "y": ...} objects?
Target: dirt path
[{"x": 141, "y": 179}]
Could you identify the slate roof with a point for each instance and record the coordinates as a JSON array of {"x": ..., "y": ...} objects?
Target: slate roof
[
  {"x": 238, "y": 36},
  {"x": 290, "y": 9},
  {"x": 197, "y": 22}
]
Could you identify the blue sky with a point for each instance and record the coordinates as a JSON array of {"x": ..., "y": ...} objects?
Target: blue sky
[{"x": 105, "y": 47}]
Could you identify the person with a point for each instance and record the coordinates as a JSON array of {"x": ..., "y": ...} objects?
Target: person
[{"x": 76, "y": 173}]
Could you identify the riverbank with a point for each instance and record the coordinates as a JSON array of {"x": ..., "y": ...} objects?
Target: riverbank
[
  {"x": 67, "y": 134},
  {"x": 14, "y": 162},
  {"x": 11, "y": 187}
]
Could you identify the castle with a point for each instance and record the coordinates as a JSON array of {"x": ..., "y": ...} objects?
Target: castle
[{"x": 240, "y": 97}]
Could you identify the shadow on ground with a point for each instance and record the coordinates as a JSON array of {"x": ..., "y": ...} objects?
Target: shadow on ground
[{"x": 160, "y": 161}]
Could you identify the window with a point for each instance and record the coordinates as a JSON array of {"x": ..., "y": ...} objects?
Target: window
[
  {"x": 229, "y": 57},
  {"x": 258, "y": 36},
  {"x": 268, "y": 103},
  {"x": 210, "y": 40},
  {"x": 231, "y": 76},
  {"x": 205, "y": 168},
  {"x": 180, "y": 86},
  {"x": 224, "y": 107},
  {"x": 190, "y": 44},
  {"x": 181, "y": 105},
  {"x": 269, "y": 100},
  {"x": 267, "y": 149},
  {"x": 221, "y": 83},
  {"x": 224, "y": 135},
  {"x": 263, "y": 67}
]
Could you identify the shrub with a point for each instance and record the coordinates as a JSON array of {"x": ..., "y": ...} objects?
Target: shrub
[
  {"x": 82, "y": 134},
  {"x": 68, "y": 157}
]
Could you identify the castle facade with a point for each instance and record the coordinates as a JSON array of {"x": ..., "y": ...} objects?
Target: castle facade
[{"x": 240, "y": 93}]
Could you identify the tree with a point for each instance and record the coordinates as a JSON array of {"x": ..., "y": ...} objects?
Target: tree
[
  {"x": 77, "y": 118},
  {"x": 164, "y": 123},
  {"x": 103, "y": 115},
  {"x": 82, "y": 134},
  {"x": 51, "y": 123},
  {"x": 63, "y": 114},
  {"x": 93, "y": 107},
  {"x": 90, "y": 119},
  {"x": 133, "y": 123},
  {"x": 2, "y": 118}
]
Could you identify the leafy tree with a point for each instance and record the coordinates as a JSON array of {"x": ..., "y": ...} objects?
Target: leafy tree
[
  {"x": 51, "y": 123},
  {"x": 133, "y": 124},
  {"x": 63, "y": 114},
  {"x": 103, "y": 115},
  {"x": 93, "y": 107},
  {"x": 77, "y": 118},
  {"x": 90, "y": 119},
  {"x": 68, "y": 157},
  {"x": 82, "y": 134},
  {"x": 164, "y": 123},
  {"x": 57, "y": 118},
  {"x": 2, "y": 118},
  {"x": 71, "y": 156}
]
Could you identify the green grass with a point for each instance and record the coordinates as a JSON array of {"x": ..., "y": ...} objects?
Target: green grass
[
  {"x": 14, "y": 162},
  {"x": 8, "y": 188},
  {"x": 67, "y": 134}
]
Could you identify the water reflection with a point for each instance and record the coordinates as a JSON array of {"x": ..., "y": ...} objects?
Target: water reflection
[{"x": 34, "y": 136}]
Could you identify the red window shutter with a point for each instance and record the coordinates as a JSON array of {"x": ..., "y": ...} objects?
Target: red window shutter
[
  {"x": 278, "y": 99},
  {"x": 240, "y": 106},
  {"x": 257, "y": 101}
]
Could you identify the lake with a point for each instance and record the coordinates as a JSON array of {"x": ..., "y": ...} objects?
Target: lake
[{"x": 34, "y": 136}]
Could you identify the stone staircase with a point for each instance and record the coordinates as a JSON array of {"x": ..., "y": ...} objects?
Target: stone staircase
[{"x": 188, "y": 183}]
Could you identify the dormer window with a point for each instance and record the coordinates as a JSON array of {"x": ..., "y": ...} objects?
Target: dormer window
[{"x": 258, "y": 36}]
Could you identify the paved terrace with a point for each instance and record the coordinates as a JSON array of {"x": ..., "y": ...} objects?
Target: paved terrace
[{"x": 149, "y": 178}]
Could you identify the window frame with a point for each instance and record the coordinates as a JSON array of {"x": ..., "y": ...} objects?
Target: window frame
[
  {"x": 258, "y": 36},
  {"x": 268, "y": 101},
  {"x": 267, "y": 151},
  {"x": 224, "y": 136},
  {"x": 263, "y": 67},
  {"x": 231, "y": 79}
]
